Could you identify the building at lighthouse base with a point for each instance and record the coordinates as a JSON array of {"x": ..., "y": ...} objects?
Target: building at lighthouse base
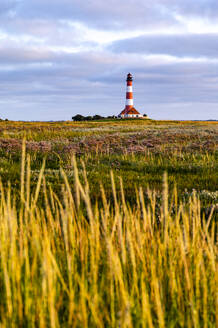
[{"x": 130, "y": 113}]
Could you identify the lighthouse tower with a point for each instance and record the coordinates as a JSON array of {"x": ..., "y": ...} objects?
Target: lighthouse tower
[
  {"x": 129, "y": 111},
  {"x": 129, "y": 93}
]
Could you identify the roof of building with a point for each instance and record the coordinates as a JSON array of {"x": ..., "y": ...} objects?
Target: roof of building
[
  {"x": 123, "y": 111},
  {"x": 133, "y": 111},
  {"x": 130, "y": 111}
]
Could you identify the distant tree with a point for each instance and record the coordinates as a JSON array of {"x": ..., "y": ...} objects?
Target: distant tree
[
  {"x": 145, "y": 115},
  {"x": 88, "y": 118},
  {"x": 78, "y": 118},
  {"x": 98, "y": 117}
]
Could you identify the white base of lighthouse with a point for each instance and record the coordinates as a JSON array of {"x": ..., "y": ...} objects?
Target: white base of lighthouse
[{"x": 131, "y": 113}]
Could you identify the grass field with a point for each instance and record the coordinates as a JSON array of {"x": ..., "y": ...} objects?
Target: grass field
[{"x": 108, "y": 224}]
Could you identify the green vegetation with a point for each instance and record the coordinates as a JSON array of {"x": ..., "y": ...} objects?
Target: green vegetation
[
  {"x": 80, "y": 118},
  {"x": 108, "y": 224}
]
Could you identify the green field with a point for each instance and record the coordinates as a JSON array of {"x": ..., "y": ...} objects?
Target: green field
[{"x": 108, "y": 224}]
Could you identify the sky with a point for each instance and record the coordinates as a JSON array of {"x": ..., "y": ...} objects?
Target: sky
[{"x": 59, "y": 58}]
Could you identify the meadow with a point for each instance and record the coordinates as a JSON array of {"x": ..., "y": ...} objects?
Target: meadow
[{"x": 108, "y": 224}]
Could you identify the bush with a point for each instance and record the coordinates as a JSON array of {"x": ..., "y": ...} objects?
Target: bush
[
  {"x": 79, "y": 117},
  {"x": 97, "y": 117}
]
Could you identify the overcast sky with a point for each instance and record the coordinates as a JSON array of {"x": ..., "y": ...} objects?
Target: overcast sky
[{"x": 63, "y": 57}]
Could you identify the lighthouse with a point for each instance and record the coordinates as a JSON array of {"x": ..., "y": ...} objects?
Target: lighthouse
[{"x": 129, "y": 110}]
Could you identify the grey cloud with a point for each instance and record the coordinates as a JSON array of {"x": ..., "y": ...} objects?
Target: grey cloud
[
  {"x": 104, "y": 14},
  {"x": 202, "y": 8},
  {"x": 19, "y": 55},
  {"x": 118, "y": 13},
  {"x": 7, "y": 5},
  {"x": 39, "y": 32},
  {"x": 189, "y": 45}
]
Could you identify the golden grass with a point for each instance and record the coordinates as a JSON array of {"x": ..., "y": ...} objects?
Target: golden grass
[{"x": 69, "y": 263}]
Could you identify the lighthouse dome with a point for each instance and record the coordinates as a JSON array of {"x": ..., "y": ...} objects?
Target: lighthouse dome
[{"x": 129, "y": 77}]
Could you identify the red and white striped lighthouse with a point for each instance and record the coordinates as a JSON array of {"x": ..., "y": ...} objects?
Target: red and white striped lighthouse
[
  {"x": 129, "y": 92},
  {"x": 129, "y": 111}
]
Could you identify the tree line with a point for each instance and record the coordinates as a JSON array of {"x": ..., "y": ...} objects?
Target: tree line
[{"x": 79, "y": 118}]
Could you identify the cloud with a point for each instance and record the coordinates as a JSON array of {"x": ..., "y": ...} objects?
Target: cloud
[
  {"x": 118, "y": 13},
  {"x": 112, "y": 13},
  {"x": 181, "y": 45},
  {"x": 7, "y": 5}
]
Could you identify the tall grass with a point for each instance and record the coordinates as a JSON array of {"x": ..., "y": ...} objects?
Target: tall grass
[{"x": 65, "y": 262}]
